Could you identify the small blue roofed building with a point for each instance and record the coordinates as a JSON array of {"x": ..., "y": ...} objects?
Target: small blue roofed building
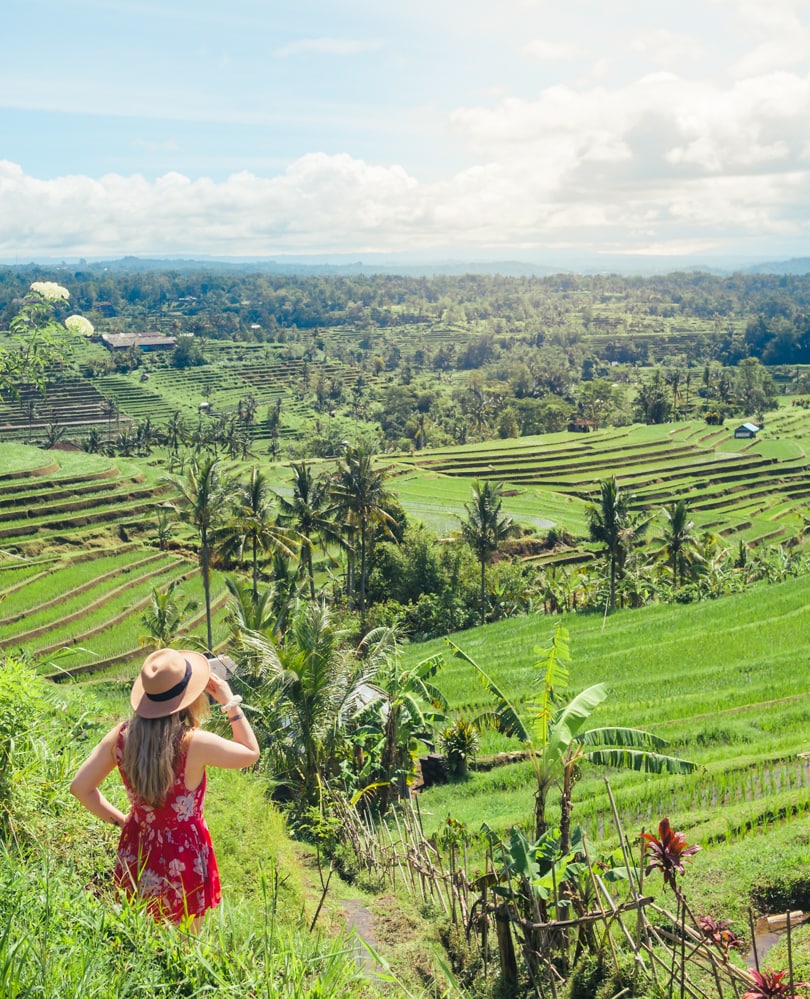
[{"x": 746, "y": 430}]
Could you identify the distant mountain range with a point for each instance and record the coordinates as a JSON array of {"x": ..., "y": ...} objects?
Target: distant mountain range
[
  {"x": 382, "y": 264},
  {"x": 798, "y": 265}
]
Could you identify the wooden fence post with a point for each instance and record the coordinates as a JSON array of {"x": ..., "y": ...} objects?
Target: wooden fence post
[{"x": 506, "y": 948}]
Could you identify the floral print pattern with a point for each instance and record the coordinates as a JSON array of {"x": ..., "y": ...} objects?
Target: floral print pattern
[{"x": 165, "y": 853}]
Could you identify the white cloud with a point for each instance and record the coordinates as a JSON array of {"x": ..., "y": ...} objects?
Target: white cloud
[
  {"x": 547, "y": 51},
  {"x": 657, "y": 160},
  {"x": 328, "y": 46},
  {"x": 775, "y": 54},
  {"x": 667, "y": 48},
  {"x": 779, "y": 37}
]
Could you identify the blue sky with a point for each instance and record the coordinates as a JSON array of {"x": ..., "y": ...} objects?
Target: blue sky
[{"x": 522, "y": 129}]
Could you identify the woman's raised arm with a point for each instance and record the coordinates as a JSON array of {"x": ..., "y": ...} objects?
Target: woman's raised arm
[{"x": 209, "y": 749}]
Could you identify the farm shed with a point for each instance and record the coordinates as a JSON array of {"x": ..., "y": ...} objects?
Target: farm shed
[
  {"x": 144, "y": 341},
  {"x": 580, "y": 425},
  {"x": 746, "y": 430}
]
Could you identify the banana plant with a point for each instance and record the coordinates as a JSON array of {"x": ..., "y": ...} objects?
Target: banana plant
[
  {"x": 404, "y": 713},
  {"x": 555, "y": 736}
]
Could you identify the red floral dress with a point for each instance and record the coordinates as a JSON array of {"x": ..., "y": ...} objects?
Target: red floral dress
[{"x": 165, "y": 853}]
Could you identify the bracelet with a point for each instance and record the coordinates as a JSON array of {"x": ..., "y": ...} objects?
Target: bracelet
[
  {"x": 232, "y": 703},
  {"x": 235, "y": 718}
]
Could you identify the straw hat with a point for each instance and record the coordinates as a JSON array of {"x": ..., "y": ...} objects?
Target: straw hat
[{"x": 170, "y": 680}]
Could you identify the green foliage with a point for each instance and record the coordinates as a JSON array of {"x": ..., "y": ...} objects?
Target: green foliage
[
  {"x": 486, "y": 527},
  {"x": 31, "y": 349},
  {"x": 310, "y": 512},
  {"x": 201, "y": 497},
  {"x": 402, "y": 716},
  {"x": 21, "y": 696},
  {"x": 250, "y": 533},
  {"x": 58, "y": 939},
  {"x": 614, "y": 526},
  {"x": 428, "y": 587},
  {"x": 360, "y": 495},
  {"x": 460, "y": 742},
  {"x": 165, "y": 619},
  {"x": 553, "y": 733},
  {"x": 595, "y": 976}
]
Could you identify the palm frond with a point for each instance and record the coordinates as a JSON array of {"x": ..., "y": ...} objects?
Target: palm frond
[{"x": 263, "y": 654}]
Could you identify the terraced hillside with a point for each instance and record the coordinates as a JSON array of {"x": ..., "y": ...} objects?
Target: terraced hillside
[
  {"x": 74, "y": 404},
  {"x": 78, "y": 559},
  {"x": 755, "y": 489}
]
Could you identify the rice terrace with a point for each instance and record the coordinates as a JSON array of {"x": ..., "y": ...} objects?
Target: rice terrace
[{"x": 515, "y": 578}]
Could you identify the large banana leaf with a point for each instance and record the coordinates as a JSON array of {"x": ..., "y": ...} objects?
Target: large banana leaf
[
  {"x": 429, "y": 667},
  {"x": 553, "y": 677},
  {"x": 572, "y": 716},
  {"x": 619, "y": 736},
  {"x": 640, "y": 760}
]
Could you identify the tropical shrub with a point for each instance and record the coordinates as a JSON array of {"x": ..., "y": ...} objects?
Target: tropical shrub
[
  {"x": 460, "y": 741},
  {"x": 21, "y": 694}
]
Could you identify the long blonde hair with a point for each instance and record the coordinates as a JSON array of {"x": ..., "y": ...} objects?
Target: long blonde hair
[{"x": 151, "y": 748}]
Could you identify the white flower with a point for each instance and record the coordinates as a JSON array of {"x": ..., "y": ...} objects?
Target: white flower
[
  {"x": 201, "y": 862},
  {"x": 184, "y": 806},
  {"x": 78, "y": 324},
  {"x": 150, "y": 883},
  {"x": 50, "y": 290},
  {"x": 127, "y": 857},
  {"x": 175, "y": 867}
]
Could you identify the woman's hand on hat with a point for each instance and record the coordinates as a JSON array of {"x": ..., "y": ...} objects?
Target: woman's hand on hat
[{"x": 219, "y": 689}]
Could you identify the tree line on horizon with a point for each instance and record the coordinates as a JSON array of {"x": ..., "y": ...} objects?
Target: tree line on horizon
[{"x": 516, "y": 357}]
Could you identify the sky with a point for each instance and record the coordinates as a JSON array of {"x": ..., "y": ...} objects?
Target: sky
[{"x": 528, "y": 130}]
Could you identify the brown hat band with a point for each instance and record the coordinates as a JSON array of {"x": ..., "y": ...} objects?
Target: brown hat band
[{"x": 174, "y": 691}]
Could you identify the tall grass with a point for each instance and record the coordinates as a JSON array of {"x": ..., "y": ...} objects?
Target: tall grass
[
  {"x": 58, "y": 939},
  {"x": 63, "y": 932}
]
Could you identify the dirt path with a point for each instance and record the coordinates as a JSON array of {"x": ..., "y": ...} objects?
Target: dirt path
[{"x": 360, "y": 922}]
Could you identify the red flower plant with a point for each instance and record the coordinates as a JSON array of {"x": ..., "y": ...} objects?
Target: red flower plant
[
  {"x": 667, "y": 850},
  {"x": 766, "y": 984},
  {"x": 720, "y": 934}
]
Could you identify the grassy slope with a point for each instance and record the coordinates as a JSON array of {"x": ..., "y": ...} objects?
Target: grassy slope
[
  {"x": 258, "y": 942},
  {"x": 726, "y": 682}
]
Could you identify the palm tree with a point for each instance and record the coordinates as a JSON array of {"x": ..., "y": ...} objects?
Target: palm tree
[
  {"x": 164, "y": 619},
  {"x": 359, "y": 492},
  {"x": 145, "y": 436},
  {"x": 680, "y": 544},
  {"x": 175, "y": 432},
  {"x": 403, "y": 712},
  {"x": 93, "y": 442},
  {"x": 252, "y": 525},
  {"x": 110, "y": 410},
  {"x": 247, "y": 612},
  {"x": 53, "y": 434},
  {"x": 673, "y": 379},
  {"x": 612, "y": 524},
  {"x": 554, "y": 734},
  {"x": 310, "y": 513},
  {"x": 202, "y": 493},
  {"x": 486, "y": 528},
  {"x": 312, "y": 688}
]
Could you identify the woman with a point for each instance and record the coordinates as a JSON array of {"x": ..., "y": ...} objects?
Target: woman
[{"x": 164, "y": 852}]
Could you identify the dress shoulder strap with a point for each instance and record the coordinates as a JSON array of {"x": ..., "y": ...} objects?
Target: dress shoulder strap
[{"x": 119, "y": 742}]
